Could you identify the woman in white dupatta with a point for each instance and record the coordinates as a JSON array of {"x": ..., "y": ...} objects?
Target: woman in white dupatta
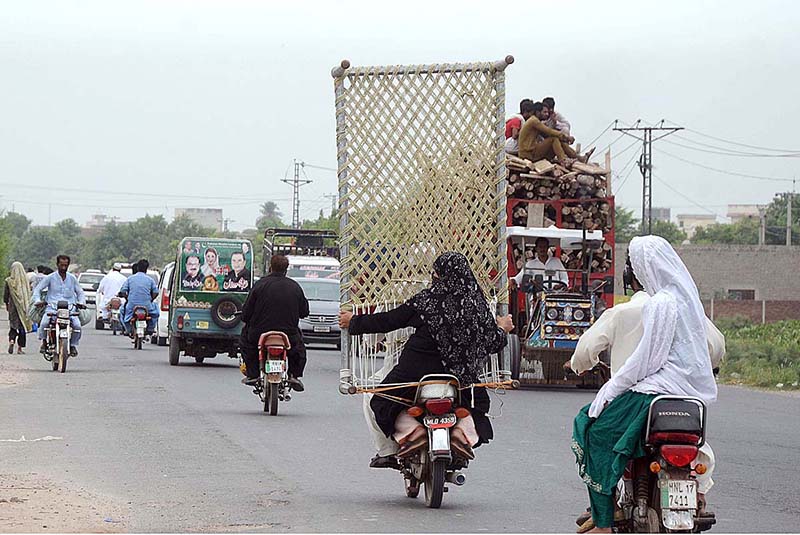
[{"x": 671, "y": 358}]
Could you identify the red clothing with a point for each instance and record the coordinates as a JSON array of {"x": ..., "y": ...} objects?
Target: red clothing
[{"x": 514, "y": 122}]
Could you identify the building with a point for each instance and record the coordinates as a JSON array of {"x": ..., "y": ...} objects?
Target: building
[
  {"x": 96, "y": 224},
  {"x": 660, "y": 214},
  {"x": 737, "y": 212},
  {"x": 691, "y": 222},
  {"x": 205, "y": 217}
]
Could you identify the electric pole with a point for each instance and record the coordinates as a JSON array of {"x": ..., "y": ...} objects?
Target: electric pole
[
  {"x": 789, "y": 198},
  {"x": 333, "y": 203},
  {"x": 296, "y": 182},
  {"x": 762, "y": 224},
  {"x": 646, "y": 164}
]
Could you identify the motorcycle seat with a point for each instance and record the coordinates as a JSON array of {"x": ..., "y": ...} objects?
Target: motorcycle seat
[
  {"x": 670, "y": 415},
  {"x": 274, "y": 338}
]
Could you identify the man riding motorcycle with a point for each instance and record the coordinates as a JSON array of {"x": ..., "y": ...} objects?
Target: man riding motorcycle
[
  {"x": 60, "y": 286},
  {"x": 140, "y": 290},
  {"x": 619, "y": 331},
  {"x": 660, "y": 343},
  {"x": 109, "y": 287},
  {"x": 276, "y": 303}
]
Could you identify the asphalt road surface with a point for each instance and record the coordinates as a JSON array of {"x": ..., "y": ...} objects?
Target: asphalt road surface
[{"x": 188, "y": 448}]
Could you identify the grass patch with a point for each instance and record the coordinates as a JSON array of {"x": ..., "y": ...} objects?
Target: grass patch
[{"x": 766, "y": 356}]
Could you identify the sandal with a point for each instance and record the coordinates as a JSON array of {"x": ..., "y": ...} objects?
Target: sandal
[
  {"x": 11, "y": 348},
  {"x": 412, "y": 446}
]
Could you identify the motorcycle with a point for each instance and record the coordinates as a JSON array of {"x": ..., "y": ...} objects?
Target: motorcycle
[
  {"x": 439, "y": 459},
  {"x": 114, "y": 306},
  {"x": 658, "y": 492},
  {"x": 139, "y": 325},
  {"x": 273, "y": 362},
  {"x": 58, "y": 333}
]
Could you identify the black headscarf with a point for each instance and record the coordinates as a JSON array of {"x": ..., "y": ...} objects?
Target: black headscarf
[{"x": 458, "y": 317}]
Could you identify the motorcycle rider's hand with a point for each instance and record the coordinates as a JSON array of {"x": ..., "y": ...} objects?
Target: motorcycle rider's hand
[
  {"x": 344, "y": 319},
  {"x": 80, "y": 306},
  {"x": 512, "y": 284},
  {"x": 40, "y": 304},
  {"x": 506, "y": 323}
]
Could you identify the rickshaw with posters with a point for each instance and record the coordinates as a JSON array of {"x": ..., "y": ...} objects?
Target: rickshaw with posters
[{"x": 210, "y": 284}]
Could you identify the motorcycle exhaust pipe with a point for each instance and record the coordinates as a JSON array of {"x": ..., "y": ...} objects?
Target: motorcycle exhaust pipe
[{"x": 456, "y": 478}]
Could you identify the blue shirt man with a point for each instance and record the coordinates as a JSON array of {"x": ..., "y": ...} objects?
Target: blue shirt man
[
  {"x": 61, "y": 286},
  {"x": 141, "y": 290}
]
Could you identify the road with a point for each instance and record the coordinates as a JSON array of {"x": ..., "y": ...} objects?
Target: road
[{"x": 129, "y": 443}]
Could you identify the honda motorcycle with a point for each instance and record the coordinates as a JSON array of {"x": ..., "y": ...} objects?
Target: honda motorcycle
[
  {"x": 437, "y": 458},
  {"x": 273, "y": 363},
  {"x": 658, "y": 492},
  {"x": 139, "y": 325},
  {"x": 58, "y": 333}
]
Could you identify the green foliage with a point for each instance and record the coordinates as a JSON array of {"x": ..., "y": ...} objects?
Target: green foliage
[
  {"x": 322, "y": 222},
  {"x": 15, "y": 224},
  {"x": 762, "y": 355},
  {"x": 744, "y": 232},
  {"x": 5, "y": 249},
  {"x": 669, "y": 231},
  {"x": 626, "y": 227}
]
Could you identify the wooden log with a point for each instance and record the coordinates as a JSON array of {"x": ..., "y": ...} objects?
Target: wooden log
[
  {"x": 588, "y": 168},
  {"x": 543, "y": 166}
]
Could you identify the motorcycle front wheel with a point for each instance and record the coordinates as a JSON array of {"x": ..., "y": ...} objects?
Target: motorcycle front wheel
[
  {"x": 63, "y": 354},
  {"x": 434, "y": 484}
]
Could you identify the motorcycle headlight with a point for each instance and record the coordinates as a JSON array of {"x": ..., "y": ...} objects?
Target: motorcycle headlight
[
  {"x": 578, "y": 314},
  {"x": 552, "y": 313},
  {"x": 63, "y": 313}
]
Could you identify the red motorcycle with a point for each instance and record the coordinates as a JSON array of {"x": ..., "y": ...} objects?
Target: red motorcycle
[
  {"x": 273, "y": 362},
  {"x": 139, "y": 325}
]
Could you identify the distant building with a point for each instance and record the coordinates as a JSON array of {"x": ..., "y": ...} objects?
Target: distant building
[
  {"x": 689, "y": 223},
  {"x": 737, "y": 212},
  {"x": 205, "y": 217},
  {"x": 96, "y": 224},
  {"x": 660, "y": 214}
]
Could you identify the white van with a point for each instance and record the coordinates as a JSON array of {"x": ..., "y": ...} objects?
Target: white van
[{"x": 313, "y": 267}]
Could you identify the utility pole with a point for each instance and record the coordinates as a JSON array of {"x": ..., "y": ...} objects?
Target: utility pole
[
  {"x": 296, "y": 182},
  {"x": 762, "y": 224},
  {"x": 333, "y": 203},
  {"x": 789, "y": 198},
  {"x": 646, "y": 164}
]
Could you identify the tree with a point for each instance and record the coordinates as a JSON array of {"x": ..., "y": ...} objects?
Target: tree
[
  {"x": 39, "y": 245},
  {"x": 669, "y": 231},
  {"x": 5, "y": 250},
  {"x": 744, "y": 232},
  {"x": 626, "y": 226},
  {"x": 15, "y": 224},
  {"x": 271, "y": 216},
  {"x": 322, "y": 222}
]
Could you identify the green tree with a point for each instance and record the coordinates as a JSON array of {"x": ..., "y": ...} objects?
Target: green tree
[
  {"x": 39, "y": 245},
  {"x": 5, "y": 250},
  {"x": 183, "y": 227},
  {"x": 322, "y": 223},
  {"x": 626, "y": 226},
  {"x": 271, "y": 216},
  {"x": 669, "y": 231},
  {"x": 16, "y": 224},
  {"x": 744, "y": 232}
]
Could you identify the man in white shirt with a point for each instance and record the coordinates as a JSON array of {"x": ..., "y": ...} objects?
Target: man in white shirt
[
  {"x": 541, "y": 262},
  {"x": 618, "y": 331},
  {"x": 555, "y": 120},
  {"x": 109, "y": 287}
]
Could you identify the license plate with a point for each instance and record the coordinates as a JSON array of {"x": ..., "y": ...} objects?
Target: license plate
[
  {"x": 322, "y": 329},
  {"x": 62, "y": 334},
  {"x": 680, "y": 496},
  {"x": 141, "y": 324},
  {"x": 446, "y": 420},
  {"x": 274, "y": 366},
  {"x": 202, "y": 325}
]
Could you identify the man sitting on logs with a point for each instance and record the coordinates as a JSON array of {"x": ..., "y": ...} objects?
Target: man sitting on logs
[
  {"x": 537, "y": 141},
  {"x": 514, "y": 125},
  {"x": 555, "y": 120}
]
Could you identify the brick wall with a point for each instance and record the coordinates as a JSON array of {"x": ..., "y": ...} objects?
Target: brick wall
[
  {"x": 770, "y": 311},
  {"x": 773, "y": 271}
]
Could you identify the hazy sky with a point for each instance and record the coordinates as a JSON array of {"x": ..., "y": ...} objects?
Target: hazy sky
[{"x": 211, "y": 99}]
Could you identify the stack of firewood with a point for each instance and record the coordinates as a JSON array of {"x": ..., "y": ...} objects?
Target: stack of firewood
[
  {"x": 593, "y": 214},
  {"x": 600, "y": 259},
  {"x": 544, "y": 180}
]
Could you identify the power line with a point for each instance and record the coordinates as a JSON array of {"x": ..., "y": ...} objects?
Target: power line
[
  {"x": 757, "y": 147},
  {"x": 125, "y": 193},
  {"x": 689, "y": 199},
  {"x": 723, "y": 171},
  {"x": 739, "y": 154},
  {"x": 312, "y": 166},
  {"x": 592, "y": 142}
]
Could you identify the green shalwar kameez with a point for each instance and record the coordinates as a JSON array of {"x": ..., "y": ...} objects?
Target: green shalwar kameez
[{"x": 604, "y": 445}]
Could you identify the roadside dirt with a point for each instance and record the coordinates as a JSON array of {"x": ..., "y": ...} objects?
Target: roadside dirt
[{"x": 30, "y": 503}]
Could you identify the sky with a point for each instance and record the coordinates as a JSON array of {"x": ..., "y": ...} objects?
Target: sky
[{"x": 130, "y": 108}]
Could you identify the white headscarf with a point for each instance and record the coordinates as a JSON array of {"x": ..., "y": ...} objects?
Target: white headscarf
[{"x": 672, "y": 356}]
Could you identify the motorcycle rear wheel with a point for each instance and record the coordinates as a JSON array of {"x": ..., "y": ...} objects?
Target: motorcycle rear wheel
[
  {"x": 271, "y": 399},
  {"x": 137, "y": 343},
  {"x": 434, "y": 484}
]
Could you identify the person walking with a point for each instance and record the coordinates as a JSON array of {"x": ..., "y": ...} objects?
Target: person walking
[{"x": 17, "y": 297}]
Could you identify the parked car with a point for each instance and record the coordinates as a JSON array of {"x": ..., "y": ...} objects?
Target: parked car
[
  {"x": 322, "y": 324},
  {"x": 161, "y": 337},
  {"x": 89, "y": 281}
]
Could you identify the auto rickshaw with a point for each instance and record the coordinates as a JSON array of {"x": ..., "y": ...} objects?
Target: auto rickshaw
[
  {"x": 551, "y": 314},
  {"x": 210, "y": 284}
]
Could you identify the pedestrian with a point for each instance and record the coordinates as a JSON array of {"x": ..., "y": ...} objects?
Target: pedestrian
[{"x": 17, "y": 297}]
